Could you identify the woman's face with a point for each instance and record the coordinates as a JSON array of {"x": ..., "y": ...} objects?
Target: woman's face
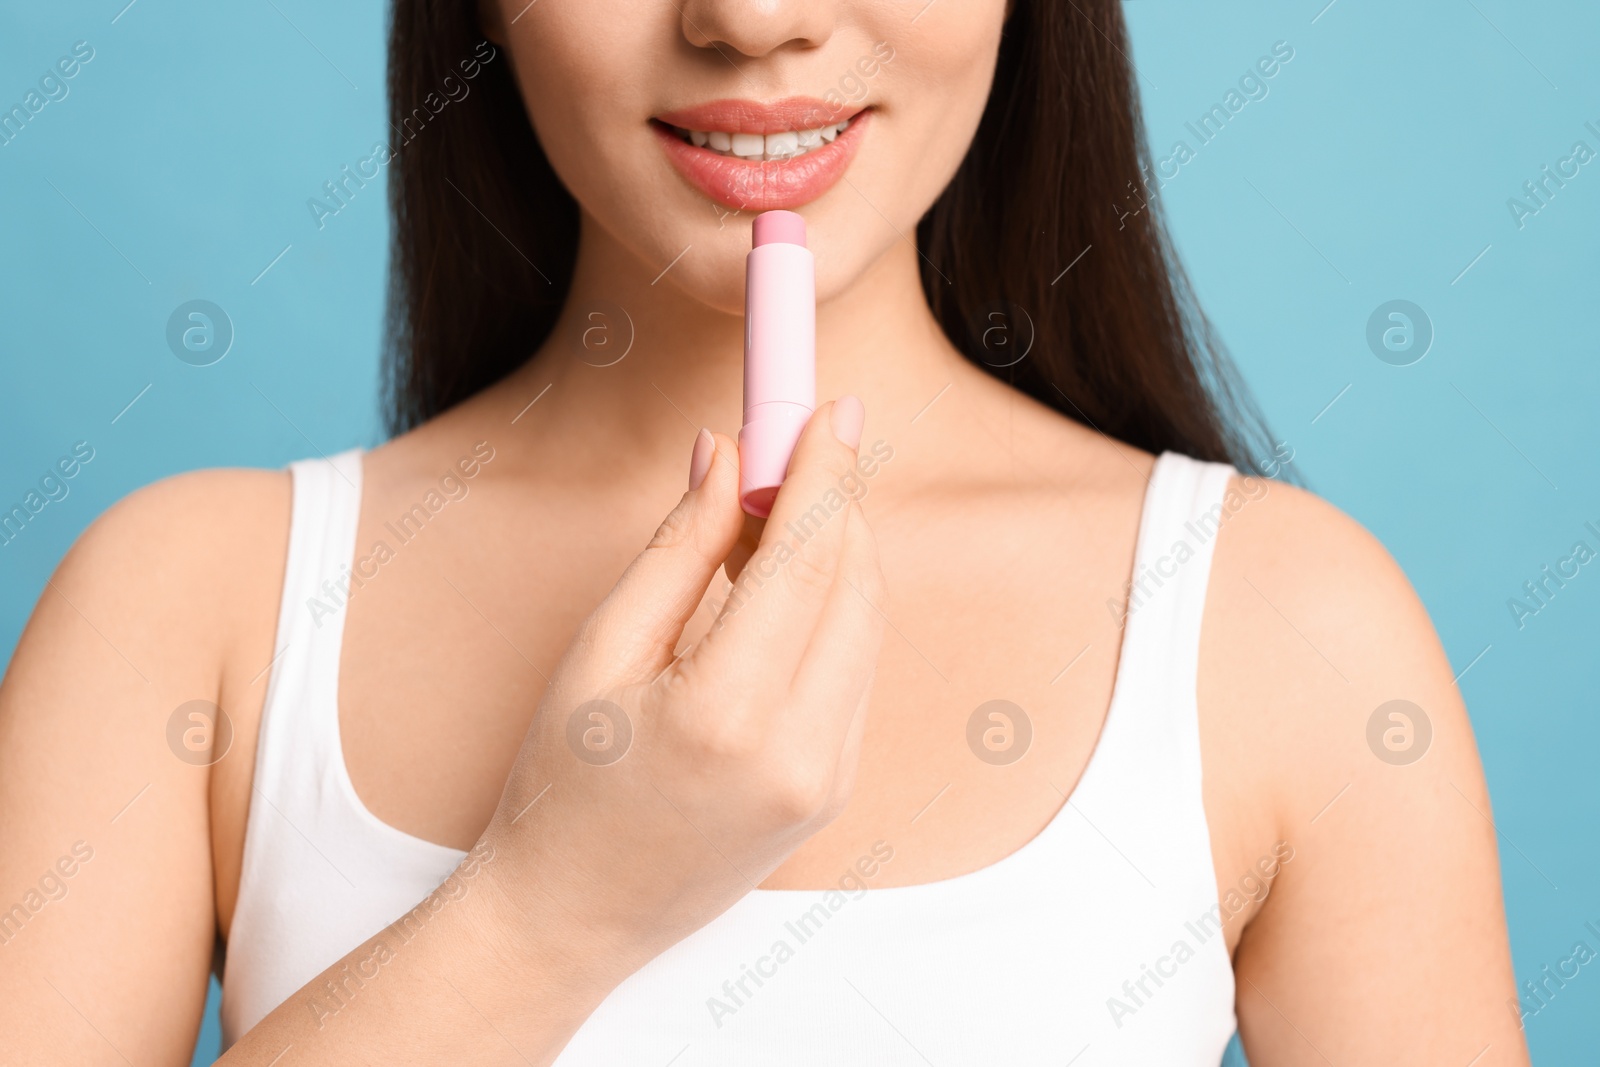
[{"x": 675, "y": 122}]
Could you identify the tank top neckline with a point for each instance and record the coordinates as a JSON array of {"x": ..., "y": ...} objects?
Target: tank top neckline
[{"x": 1106, "y": 745}]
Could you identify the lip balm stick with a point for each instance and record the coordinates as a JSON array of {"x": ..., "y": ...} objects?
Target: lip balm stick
[{"x": 780, "y": 376}]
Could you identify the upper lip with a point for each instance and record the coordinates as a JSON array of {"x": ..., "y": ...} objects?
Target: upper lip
[{"x": 752, "y": 116}]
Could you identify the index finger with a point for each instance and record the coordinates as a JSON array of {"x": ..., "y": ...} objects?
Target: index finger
[{"x": 767, "y": 621}]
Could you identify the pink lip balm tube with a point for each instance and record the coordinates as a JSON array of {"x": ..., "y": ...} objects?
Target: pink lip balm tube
[{"x": 780, "y": 358}]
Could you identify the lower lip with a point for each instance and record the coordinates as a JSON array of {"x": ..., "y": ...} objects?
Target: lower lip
[{"x": 764, "y": 185}]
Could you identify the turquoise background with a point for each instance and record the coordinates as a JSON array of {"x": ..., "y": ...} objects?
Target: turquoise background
[{"x": 1378, "y": 167}]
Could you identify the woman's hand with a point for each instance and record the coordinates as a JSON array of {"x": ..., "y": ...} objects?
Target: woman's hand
[{"x": 653, "y": 792}]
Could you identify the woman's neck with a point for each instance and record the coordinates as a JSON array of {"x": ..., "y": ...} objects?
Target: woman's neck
[{"x": 635, "y": 364}]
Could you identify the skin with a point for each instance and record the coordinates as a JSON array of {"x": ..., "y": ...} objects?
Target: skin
[{"x": 1382, "y": 940}]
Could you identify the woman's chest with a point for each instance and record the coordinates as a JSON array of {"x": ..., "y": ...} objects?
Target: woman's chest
[
  {"x": 998, "y": 668},
  {"x": 994, "y": 678}
]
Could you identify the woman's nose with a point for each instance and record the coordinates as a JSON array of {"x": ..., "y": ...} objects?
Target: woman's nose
[{"x": 757, "y": 27}]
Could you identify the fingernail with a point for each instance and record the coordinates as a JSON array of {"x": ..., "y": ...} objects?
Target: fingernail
[
  {"x": 848, "y": 416},
  {"x": 700, "y": 460}
]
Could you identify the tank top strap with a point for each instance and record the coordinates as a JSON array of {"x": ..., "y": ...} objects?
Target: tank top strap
[
  {"x": 1155, "y": 711},
  {"x": 299, "y": 730}
]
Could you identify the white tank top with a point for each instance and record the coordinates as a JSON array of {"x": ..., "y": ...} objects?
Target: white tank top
[{"x": 1097, "y": 942}]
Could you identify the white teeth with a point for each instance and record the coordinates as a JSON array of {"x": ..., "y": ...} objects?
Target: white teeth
[
  {"x": 754, "y": 146},
  {"x": 782, "y": 145}
]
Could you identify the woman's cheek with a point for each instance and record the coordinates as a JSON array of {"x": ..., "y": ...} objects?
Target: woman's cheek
[
  {"x": 585, "y": 137},
  {"x": 580, "y": 97}
]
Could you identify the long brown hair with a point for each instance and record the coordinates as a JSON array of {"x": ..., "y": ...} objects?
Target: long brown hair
[{"x": 1045, "y": 259}]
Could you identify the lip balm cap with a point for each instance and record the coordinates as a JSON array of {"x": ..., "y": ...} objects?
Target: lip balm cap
[{"x": 778, "y": 227}]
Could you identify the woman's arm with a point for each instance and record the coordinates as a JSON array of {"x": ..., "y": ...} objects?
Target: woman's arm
[
  {"x": 1384, "y": 939},
  {"x": 106, "y": 885},
  {"x": 480, "y": 972}
]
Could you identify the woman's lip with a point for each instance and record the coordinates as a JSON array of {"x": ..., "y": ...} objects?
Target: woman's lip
[
  {"x": 751, "y": 116},
  {"x": 755, "y": 185}
]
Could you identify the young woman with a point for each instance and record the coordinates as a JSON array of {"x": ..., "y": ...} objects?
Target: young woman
[{"x": 1030, "y": 732}]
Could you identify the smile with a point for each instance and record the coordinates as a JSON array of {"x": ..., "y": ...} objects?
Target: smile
[
  {"x": 761, "y": 157},
  {"x": 787, "y": 144}
]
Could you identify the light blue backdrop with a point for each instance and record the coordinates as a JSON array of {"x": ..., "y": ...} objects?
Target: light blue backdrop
[{"x": 1377, "y": 167}]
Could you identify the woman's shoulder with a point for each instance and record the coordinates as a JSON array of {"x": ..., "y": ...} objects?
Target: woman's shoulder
[
  {"x": 1304, "y": 599},
  {"x": 202, "y": 524},
  {"x": 1320, "y": 668},
  {"x": 1304, "y": 561},
  {"x": 187, "y": 568}
]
